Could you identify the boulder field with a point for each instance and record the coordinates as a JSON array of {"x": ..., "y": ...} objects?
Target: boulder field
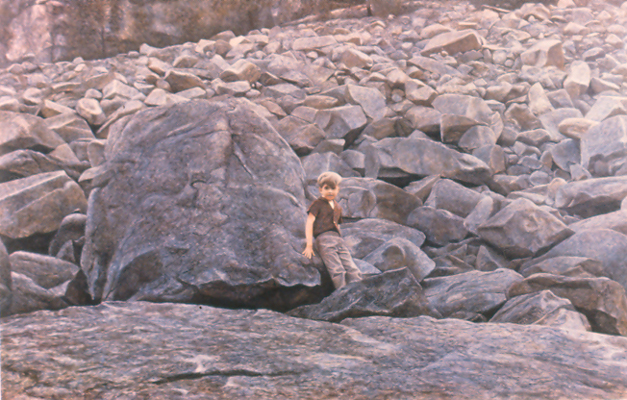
[{"x": 152, "y": 209}]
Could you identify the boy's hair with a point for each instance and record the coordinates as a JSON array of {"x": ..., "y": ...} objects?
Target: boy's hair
[{"x": 329, "y": 178}]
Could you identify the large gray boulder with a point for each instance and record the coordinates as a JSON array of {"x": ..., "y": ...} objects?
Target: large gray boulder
[
  {"x": 364, "y": 236},
  {"x": 439, "y": 226},
  {"x": 394, "y": 293},
  {"x": 373, "y": 198},
  {"x": 471, "y": 294},
  {"x": 530, "y": 308},
  {"x": 23, "y": 131},
  {"x": 592, "y": 196},
  {"x": 206, "y": 204},
  {"x": 603, "y": 147},
  {"x": 523, "y": 229},
  {"x": 424, "y": 157},
  {"x": 401, "y": 253},
  {"x": 606, "y": 246},
  {"x": 601, "y": 300},
  {"x": 264, "y": 354}
]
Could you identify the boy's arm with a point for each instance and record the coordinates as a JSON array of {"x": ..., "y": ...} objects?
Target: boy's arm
[{"x": 309, "y": 235}]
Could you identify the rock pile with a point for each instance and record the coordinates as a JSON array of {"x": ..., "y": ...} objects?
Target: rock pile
[
  {"x": 477, "y": 143},
  {"x": 482, "y": 150}
]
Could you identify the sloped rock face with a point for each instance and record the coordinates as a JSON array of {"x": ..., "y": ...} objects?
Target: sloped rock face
[
  {"x": 140, "y": 349},
  {"x": 203, "y": 198}
]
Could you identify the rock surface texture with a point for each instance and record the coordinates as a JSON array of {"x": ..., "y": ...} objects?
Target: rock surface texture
[
  {"x": 482, "y": 147},
  {"x": 227, "y": 354}
]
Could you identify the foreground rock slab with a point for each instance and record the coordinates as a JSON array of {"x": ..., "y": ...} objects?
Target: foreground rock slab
[{"x": 175, "y": 351}]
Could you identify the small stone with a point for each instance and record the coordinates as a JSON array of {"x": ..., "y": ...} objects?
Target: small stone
[
  {"x": 544, "y": 53},
  {"x": 576, "y": 128},
  {"x": 353, "y": 58},
  {"x": 180, "y": 81},
  {"x": 90, "y": 110},
  {"x": 578, "y": 79},
  {"x": 453, "y": 42}
]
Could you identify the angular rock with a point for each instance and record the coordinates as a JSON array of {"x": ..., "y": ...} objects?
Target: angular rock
[
  {"x": 302, "y": 136},
  {"x": 440, "y": 226},
  {"x": 606, "y": 107},
  {"x": 492, "y": 155},
  {"x": 453, "y": 42},
  {"x": 527, "y": 309},
  {"x": 581, "y": 267},
  {"x": 485, "y": 208},
  {"x": 353, "y": 58},
  {"x": 395, "y": 293},
  {"x": 544, "y": 53},
  {"x": 366, "y": 235},
  {"x": 45, "y": 271},
  {"x": 317, "y": 163},
  {"x": 312, "y": 43},
  {"x": 371, "y": 100},
  {"x": 578, "y": 79},
  {"x": 539, "y": 102},
  {"x": 451, "y": 196},
  {"x": 601, "y": 300},
  {"x": 22, "y": 131},
  {"x": 467, "y": 106},
  {"x": 477, "y": 137},
  {"x": 372, "y": 198},
  {"x": 593, "y": 196},
  {"x": 522, "y": 229},
  {"x": 345, "y": 122},
  {"x": 27, "y": 296},
  {"x": 551, "y": 121},
  {"x": 603, "y": 149},
  {"x": 565, "y": 154},
  {"x": 159, "y": 97},
  {"x": 424, "y": 157},
  {"x": 575, "y": 128},
  {"x": 241, "y": 70},
  {"x": 70, "y": 127},
  {"x": 196, "y": 221},
  {"x": 401, "y": 253},
  {"x": 565, "y": 319},
  {"x": 425, "y": 119},
  {"x": 470, "y": 294},
  {"x": 616, "y": 221},
  {"x": 180, "y": 80},
  {"x": 90, "y": 110},
  {"x": 117, "y": 88},
  {"x": 372, "y": 354},
  {"x": 606, "y": 246},
  {"x": 38, "y": 203},
  {"x": 24, "y": 163}
]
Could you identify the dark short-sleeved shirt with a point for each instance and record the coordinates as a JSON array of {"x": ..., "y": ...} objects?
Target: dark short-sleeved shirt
[{"x": 327, "y": 218}]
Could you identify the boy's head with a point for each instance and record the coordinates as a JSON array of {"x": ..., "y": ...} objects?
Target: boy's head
[{"x": 331, "y": 179}]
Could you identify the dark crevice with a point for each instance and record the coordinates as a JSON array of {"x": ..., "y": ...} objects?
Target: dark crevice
[{"x": 223, "y": 373}]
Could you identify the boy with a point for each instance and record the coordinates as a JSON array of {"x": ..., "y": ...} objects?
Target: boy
[{"x": 323, "y": 219}]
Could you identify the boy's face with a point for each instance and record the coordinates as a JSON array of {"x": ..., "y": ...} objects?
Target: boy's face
[{"x": 329, "y": 194}]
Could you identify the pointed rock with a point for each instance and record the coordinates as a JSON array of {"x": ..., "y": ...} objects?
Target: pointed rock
[{"x": 523, "y": 229}]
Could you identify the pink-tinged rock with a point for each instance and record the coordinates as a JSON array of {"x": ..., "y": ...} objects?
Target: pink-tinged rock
[{"x": 453, "y": 42}]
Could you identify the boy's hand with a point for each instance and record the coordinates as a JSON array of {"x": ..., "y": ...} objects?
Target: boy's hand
[{"x": 308, "y": 252}]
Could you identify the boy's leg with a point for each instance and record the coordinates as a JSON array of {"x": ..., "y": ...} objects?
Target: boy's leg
[
  {"x": 327, "y": 248},
  {"x": 353, "y": 273}
]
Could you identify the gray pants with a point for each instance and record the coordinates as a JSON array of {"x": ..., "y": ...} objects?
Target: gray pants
[{"x": 337, "y": 259}]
